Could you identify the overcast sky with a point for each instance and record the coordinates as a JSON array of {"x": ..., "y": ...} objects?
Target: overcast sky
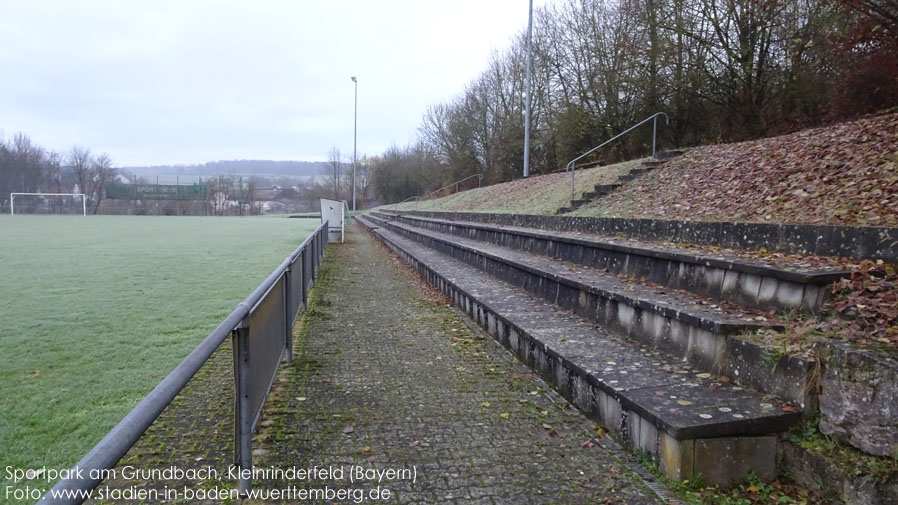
[{"x": 190, "y": 81}]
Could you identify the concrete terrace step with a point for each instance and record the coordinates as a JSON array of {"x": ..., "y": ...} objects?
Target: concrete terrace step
[
  {"x": 675, "y": 322},
  {"x": 690, "y": 423},
  {"x": 604, "y": 189},
  {"x": 720, "y": 277}
]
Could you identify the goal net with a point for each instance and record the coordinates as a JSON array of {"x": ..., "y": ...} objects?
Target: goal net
[{"x": 47, "y": 203}]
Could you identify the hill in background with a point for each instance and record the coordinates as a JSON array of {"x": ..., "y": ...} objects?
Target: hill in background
[{"x": 236, "y": 167}]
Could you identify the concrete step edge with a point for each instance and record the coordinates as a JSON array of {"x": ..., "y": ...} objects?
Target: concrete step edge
[
  {"x": 708, "y": 344},
  {"x": 634, "y": 415}
]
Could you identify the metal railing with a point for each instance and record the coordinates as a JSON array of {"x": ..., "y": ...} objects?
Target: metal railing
[
  {"x": 261, "y": 329},
  {"x": 415, "y": 198},
  {"x": 456, "y": 183},
  {"x": 653, "y": 118}
]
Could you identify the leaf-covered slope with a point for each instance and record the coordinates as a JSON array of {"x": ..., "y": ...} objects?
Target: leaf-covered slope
[{"x": 845, "y": 174}]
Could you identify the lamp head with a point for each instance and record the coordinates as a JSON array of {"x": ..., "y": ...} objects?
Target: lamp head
[{"x": 353, "y": 79}]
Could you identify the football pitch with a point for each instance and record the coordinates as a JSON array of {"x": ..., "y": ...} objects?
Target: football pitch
[{"x": 95, "y": 311}]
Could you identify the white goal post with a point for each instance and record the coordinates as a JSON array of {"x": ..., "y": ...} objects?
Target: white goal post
[{"x": 12, "y": 200}]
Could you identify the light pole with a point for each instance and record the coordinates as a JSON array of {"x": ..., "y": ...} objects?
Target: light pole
[
  {"x": 529, "y": 91},
  {"x": 355, "y": 129}
]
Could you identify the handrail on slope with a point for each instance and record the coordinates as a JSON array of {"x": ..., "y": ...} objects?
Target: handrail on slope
[
  {"x": 653, "y": 117},
  {"x": 415, "y": 198},
  {"x": 456, "y": 183}
]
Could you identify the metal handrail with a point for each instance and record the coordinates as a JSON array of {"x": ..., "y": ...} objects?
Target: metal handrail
[
  {"x": 456, "y": 183},
  {"x": 415, "y": 198},
  {"x": 653, "y": 117},
  {"x": 108, "y": 451}
]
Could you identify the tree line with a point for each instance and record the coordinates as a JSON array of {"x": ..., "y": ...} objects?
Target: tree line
[
  {"x": 724, "y": 70},
  {"x": 26, "y": 167}
]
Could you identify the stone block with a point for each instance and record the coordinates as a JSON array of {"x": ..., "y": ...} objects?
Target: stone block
[
  {"x": 789, "y": 295},
  {"x": 729, "y": 285},
  {"x": 747, "y": 288},
  {"x": 767, "y": 293},
  {"x": 610, "y": 412},
  {"x": 514, "y": 341},
  {"x": 813, "y": 297},
  {"x": 580, "y": 391},
  {"x": 706, "y": 349},
  {"x": 659, "y": 270},
  {"x": 713, "y": 281},
  {"x": 626, "y": 318},
  {"x": 675, "y": 457},
  {"x": 859, "y": 398},
  {"x": 653, "y": 328},
  {"x": 727, "y": 461},
  {"x": 678, "y": 338},
  {"x": 643, "y": 434}
]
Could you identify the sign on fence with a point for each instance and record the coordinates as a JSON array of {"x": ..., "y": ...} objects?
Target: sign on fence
[{"x": 119, "y": 191}]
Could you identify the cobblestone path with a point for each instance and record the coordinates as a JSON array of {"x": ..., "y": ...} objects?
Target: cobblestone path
[{"x": 389, "y": 379}]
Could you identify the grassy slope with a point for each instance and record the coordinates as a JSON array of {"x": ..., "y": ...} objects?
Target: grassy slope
[
  {"x": 536, "y": 195},
  {"x": 846, "y": 174},
  {"x": 95, "y": 311}
]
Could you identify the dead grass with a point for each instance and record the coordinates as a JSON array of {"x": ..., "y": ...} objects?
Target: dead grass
[{"x": 543, "y": 194}]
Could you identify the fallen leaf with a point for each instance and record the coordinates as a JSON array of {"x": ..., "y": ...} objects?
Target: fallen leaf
[
  {"x": 301, "y": 398},
  {"x": 347, "y": 430},
  {"x": 37, "y": 373},
  {"x": 485, "y": 404},
  {"x": 547, "y": 426},
  {"x": 684, "y": 402},
  {"x": 367, "y": 448},
  {"x": 504, "y": 415}
]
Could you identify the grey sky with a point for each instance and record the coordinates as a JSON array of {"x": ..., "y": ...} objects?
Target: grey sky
[{"x": 192, "y": 81}]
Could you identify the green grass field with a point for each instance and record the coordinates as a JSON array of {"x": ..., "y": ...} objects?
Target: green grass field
[{"x": 94, "y": 311}]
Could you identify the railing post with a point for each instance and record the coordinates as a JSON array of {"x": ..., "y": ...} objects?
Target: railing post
[
  {"x": 572, "y": 182},
  {"x": 288, "y": 312},
  {"x": 306, "y": 271},
  {"x": 243, "y": 435},
  {"x": 313, "y": 249},
  {"x": 654, "y": 133}
]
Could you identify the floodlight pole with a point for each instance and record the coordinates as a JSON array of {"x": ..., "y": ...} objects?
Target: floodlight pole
[
  {"x": 355, "y": 129},
  {"x": 528, "y": 92}
]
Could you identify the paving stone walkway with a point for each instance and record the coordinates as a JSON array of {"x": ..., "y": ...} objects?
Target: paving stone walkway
[{"x": 389, "y": 379}]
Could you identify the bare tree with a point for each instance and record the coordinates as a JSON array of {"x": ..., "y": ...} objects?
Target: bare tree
[
  {"x": 91, "y": 174},
  {"x": 334, "y": 172}
]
